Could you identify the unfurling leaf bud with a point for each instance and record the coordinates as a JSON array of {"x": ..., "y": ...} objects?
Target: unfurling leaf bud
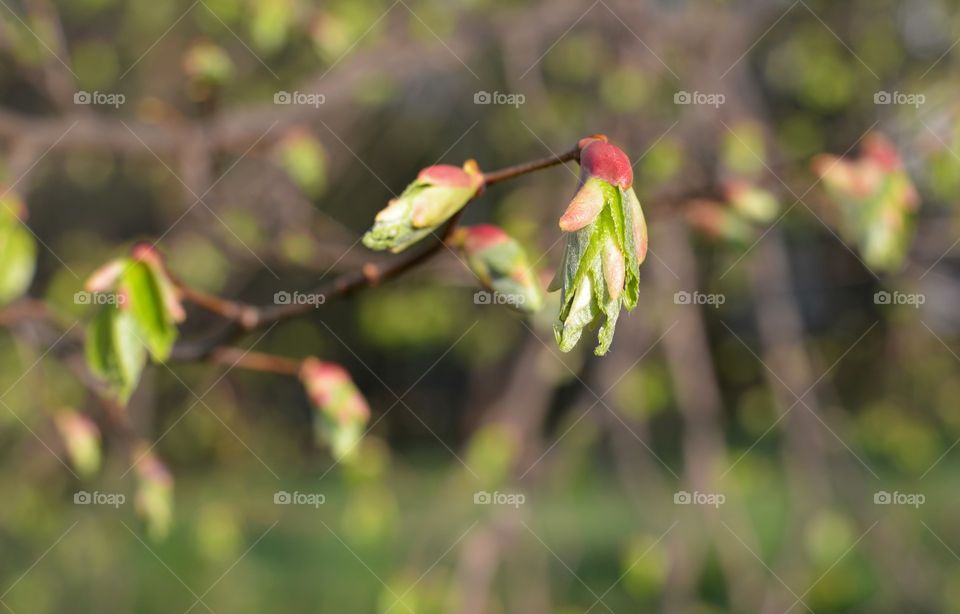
[
  {"x": 606, "y": 244},
  {"x": 875, "y": 199},
  {"x": 501, "y": 265},
  {"x": 342, "y": 412},
  {"x": 143, "y": 316},
  {"x": 437, "y": 194}
]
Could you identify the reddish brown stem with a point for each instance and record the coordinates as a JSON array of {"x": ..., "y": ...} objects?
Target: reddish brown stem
[
  {"x": 512, "y": 172},
  {"x": 255, "y": 361}
]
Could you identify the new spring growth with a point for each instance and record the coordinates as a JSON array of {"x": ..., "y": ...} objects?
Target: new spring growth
[
  {"x": 141, "y": 317},
  {"x": 606, "y": 243},
  {"x": 342, "y": 412},
  {"x": 875, "y": 200},
  {"x": 501, "y": 265},
  {"x": 438, "y": 193},
  {"x": 110, "y": 276}
]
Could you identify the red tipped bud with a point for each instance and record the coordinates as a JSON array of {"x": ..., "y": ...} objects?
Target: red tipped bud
[
  {"x": 607, "y": 162},
  {"x": 342, "y": 410},
  {"x": 607, "y": 243},
  {"x": 438, "y": 193},
  {"x": 501, "y": 265}
]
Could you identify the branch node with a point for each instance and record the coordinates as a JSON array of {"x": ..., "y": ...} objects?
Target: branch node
[
  {"x": 249, "y": 317},
  {"x": 371, "y": 273}
]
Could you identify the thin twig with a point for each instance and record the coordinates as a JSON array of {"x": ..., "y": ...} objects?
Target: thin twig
[{"x": 244, "y": 317}]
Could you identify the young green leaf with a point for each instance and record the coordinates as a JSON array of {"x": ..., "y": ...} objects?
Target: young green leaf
[
  {"x": 18, "y": 252},
  {"x": 144, "y": 299},
  {"x": 114, "y": 351}
]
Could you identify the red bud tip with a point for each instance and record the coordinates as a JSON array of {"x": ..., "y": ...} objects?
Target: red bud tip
[
  {"x": 608, "y": 162},
  {"x": 735, "y": 188},
  {"x": 879, "y": 149},
  {"x": 151, "y": 469},
  {"x": 448, "y": 176},
  {"x": 145, "y": 252},
  {"x": 582, "y": 143},
  {"x": 313, "y": 370},
  {"x": 482, "y": 236}
]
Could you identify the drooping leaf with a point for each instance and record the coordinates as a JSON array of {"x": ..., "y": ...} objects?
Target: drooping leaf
[{"x": 114, "y": 350}]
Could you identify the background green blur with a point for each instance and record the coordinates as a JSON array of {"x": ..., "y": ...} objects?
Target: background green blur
[{"x": 798, "y": 405}]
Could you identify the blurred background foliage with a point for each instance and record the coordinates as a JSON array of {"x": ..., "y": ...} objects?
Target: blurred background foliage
[{"x": 797, "y": 397}]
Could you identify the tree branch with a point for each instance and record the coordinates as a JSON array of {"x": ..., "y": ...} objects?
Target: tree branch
[{"x": 243, "y": 317}]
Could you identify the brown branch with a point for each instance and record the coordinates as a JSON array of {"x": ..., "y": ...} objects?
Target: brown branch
[
  {"x": 512, "y": 172},
  {"x": 243, "y": 317},
  {"x": 255, "y": 361}
]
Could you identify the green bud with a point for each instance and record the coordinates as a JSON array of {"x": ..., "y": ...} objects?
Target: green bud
[
  {"x": 342, "y": 412},
  {"x": 437, "y": 194},
  {"x": 501, "y": 265},
  {"x": 606, "y": 244}
]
